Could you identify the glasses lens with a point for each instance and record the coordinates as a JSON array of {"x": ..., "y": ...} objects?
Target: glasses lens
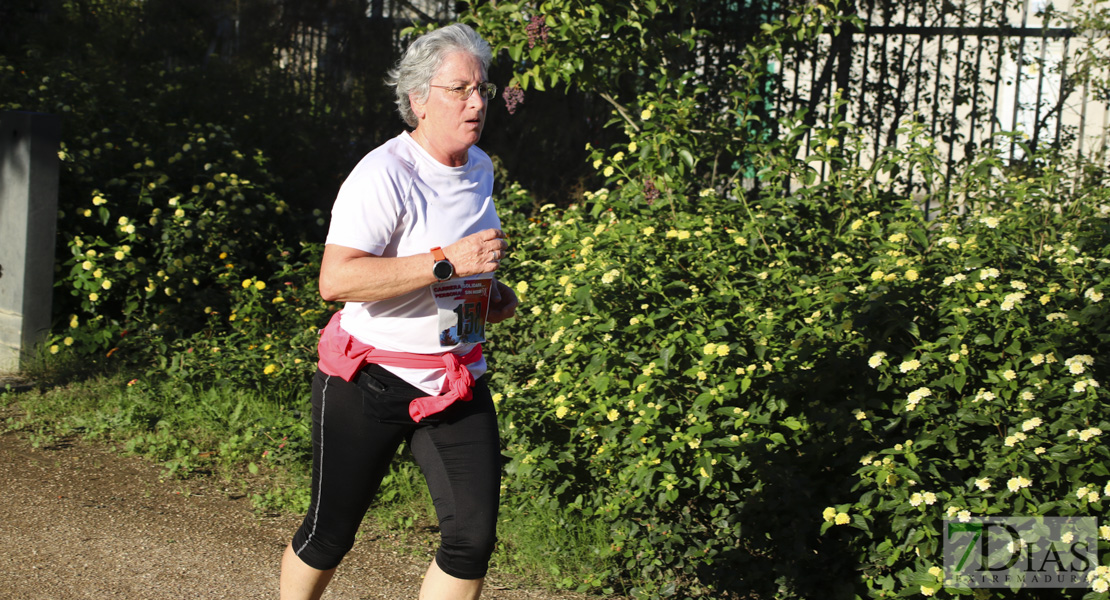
[{"x": 486, "y": 89}]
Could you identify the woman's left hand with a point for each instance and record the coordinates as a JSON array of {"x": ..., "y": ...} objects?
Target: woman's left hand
[{"x": 502, "y": 303}]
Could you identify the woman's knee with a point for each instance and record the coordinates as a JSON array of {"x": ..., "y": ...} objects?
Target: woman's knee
[
  {"x": 467, "y": 555},
  {"x": 322, "y": 552}
]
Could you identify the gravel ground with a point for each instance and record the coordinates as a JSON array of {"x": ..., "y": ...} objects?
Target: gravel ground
[{"x": 78, "y": 521}]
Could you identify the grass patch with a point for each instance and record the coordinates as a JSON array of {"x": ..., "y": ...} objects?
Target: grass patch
[{"x": 537, "y": 545}]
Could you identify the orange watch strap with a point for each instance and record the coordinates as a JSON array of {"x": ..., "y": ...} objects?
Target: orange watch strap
[{"x": 437, "y": 254}]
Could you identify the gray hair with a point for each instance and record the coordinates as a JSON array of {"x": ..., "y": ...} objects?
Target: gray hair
[{"x": 423, "y": 58}]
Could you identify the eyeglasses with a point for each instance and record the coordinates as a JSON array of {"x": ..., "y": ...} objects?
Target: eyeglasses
[{"x": 485, "y": 89}]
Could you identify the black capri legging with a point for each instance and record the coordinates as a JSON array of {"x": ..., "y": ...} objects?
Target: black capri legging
[{"x": 356, "y": 430}]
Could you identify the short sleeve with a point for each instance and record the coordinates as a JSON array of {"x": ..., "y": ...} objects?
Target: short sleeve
[{"x": 369, "y": 207}]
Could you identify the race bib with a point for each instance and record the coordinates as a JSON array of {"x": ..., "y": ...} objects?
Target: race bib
[{"x": 462, "y": 310}]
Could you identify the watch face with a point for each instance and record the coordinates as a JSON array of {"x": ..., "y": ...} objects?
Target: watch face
[{"x": 443, "y": 270}]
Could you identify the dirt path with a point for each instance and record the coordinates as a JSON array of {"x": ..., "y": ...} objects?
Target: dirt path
[{"x": 77, "y": 521}]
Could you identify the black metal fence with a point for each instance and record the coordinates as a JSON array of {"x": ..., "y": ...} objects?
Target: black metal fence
[
  {"x": 964, "y": 69},
  {"x": 965, "y": 72}
]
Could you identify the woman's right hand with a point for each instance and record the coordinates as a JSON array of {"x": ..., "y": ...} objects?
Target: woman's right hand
[{"x": 477, "y": 253}]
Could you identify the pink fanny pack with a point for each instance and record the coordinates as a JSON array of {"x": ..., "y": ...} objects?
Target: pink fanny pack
[{"x": 343, "y": 356}]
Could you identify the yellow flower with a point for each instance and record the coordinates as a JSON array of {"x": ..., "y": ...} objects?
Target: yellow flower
[
  {"x": 94, "y": 296},
  {"x": 842, "y": 519},
  {"x": 608, "y": 172},
  {"x": 247, "y": 283},
  {"x": 909, "y": 365},
  {"x": 123, "y": 221},
  {"x": 632, "y": 147},
  {"x": 645, "y": 115},
  {"x": 106, "y": 284},
  {"x": 68, "y": 341},
  {"x": 87, "y": 265},
  {"x": 260, "y": 285},
  {"x": 120, "y": 255},
  {"x": 876, "y": 359},
  {"x": 649, "y": 230},
  {"x": 561, "y": 411},
  {"x": 722, "y": 350},
  {"x": 270, "y": 368},
  {"x": 927, "y": 591},
  {"x": 612, "y": 415},
  {"x": 54, "y": 349},
  {"x": 522, "y": 287},
  {"x": 619, "y": 156},
  {"x": 828, "y": 514},
  {"x": 832, "y": 143},
  {"x": 911, "y": 275}
]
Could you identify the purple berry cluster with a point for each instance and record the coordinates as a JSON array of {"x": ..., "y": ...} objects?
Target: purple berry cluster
[
  {"x": 537, "y": 30},
  {"x": 513, "y": 97},
  {"x": 651, "y": 193}
]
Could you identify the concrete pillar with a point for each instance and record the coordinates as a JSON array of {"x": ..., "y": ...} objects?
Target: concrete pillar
[{"x": 29, "y": 144}]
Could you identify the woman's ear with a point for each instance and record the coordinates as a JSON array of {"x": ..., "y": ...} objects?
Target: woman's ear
[{"x": 417, "y": 106}]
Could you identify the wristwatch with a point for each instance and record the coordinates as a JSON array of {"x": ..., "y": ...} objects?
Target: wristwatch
[{"x": 442, "y": 269}]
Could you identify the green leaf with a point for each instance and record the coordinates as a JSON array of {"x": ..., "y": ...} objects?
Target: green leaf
[{"x": 687, "y": 157}]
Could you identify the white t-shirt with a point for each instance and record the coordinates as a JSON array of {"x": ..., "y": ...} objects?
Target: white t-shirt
[{"x": 399, "y": 201}]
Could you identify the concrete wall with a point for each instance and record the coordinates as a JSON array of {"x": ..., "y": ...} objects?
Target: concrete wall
[{"x": 29, "y": 145}]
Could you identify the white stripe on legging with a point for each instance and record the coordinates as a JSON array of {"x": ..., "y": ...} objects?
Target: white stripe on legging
[{"x": 320, "y": 479}]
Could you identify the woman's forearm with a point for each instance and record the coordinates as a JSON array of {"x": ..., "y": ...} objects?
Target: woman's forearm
[{"x": 348, "y": 275}]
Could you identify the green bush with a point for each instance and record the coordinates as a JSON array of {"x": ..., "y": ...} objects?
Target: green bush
[
  {"x": 162, "y": 222},
  {"x": 722, "y": 377}
]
